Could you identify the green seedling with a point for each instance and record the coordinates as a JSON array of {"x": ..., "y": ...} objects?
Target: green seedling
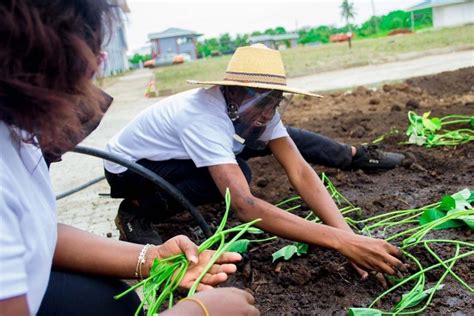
[
  {"x": 452, "y": 211},
  {"x": 409, "y": 228},
  {"x": 431, "y": 132},
  {"x": 393, "y": 131},
  {"x": 298, "y": 248},
  {"x": 166, "y": 274}
]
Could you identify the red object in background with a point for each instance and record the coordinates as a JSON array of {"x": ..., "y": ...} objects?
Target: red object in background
[
  {"x": 341, "y": 37},
  {"x": 400, "y": 31},
  {"x": 149, "y": 63}
]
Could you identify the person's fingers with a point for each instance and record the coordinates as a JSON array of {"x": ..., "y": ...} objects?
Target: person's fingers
[
  {"x": 203, "y": 287},
  {"x": 381, "y": 279},
  {"x": 386, "y": 268},
  {"x": 226, "y": 268},
  {"x": 189, "y": 248},
  {"x": 214, "y": 279},
  {"x": 249, "y": 297},
  {"x": 252, "y": 311},
  {"x": 363, "y": 274},
  {"x": 229, "y": 257},
  {"x": 395, "y": 251},
  {"x": 394, "y": 262}
]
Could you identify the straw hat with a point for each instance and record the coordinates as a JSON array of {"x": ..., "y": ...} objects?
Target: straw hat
[{"x": 256, "y": 66}]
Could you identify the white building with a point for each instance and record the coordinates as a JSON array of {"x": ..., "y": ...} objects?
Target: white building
[
  {"x": 448, "y": 12},
  {"x": 116, "y": 45}
]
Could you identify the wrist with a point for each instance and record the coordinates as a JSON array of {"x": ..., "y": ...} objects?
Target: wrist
[
  {"x": 152, "y": 254},
  {"x": 342, "y": 239},
  {"x": 195, "y": 306}
]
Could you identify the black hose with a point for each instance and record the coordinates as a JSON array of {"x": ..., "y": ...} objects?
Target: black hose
[
  {"x": 153, "y": 177},
  {"x": 79, "y": 188}
]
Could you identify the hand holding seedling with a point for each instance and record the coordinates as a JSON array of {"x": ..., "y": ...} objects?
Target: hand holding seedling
[{"x": 198, "y": 261}]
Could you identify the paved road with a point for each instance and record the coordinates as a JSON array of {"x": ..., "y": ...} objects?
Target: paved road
[
  {"x": 88, "y": 211},
  {"x": 374, "y": 74}
]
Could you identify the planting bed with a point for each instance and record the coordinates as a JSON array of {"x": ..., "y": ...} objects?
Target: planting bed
[{"x": 322, "y": 282}]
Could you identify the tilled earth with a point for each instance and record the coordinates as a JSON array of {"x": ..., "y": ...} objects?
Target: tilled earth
[{"x": 322, "y": 282}]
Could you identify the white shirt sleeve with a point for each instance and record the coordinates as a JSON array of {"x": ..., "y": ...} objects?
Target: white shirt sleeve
[
  {"x": 208, "y": 142},
  {"x": 13, "y": 278}
]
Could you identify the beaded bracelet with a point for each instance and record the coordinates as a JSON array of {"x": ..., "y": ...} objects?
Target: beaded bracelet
[
  {"x": 195, "y": 300},
  {"x": 141, "y": 261}
]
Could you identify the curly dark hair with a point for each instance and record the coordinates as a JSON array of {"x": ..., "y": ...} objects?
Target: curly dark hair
[{"x": 48, "y": 54}]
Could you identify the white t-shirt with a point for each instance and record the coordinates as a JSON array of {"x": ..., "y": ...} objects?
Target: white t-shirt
[
  {"x": 189, "y": 125},
  {"x": 28, "y": 229}
]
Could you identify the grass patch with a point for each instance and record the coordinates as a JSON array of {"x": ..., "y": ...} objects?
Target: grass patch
[{"x": 302, "y": 61}]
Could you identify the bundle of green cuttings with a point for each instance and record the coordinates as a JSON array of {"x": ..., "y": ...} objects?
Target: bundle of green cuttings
[
  {"x": 409, "y": 229},
  {"x": 166, "y": 274},
  {"x": 433, "y": 131}
]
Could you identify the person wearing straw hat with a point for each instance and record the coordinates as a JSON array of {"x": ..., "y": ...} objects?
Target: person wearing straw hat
[{"x": 199, "y": 141}]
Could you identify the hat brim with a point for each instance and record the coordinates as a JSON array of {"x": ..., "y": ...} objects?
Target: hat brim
[{"x": 255, "y": 85}]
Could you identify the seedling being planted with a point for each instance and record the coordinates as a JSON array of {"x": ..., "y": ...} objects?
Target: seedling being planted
[
  {"x": 431, "y": 132},
  {"x": 407, "y": 228},
  {"x": 451, "y": 212},
  {"x": 299, "y": 248},
  {"x": 166, "y": 274}
]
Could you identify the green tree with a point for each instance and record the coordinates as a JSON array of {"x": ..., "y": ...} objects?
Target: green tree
[
  {"x": 241, "y": 40},
  {"x": 226, "y": 46},
  {"x": 348, "y": 13}
]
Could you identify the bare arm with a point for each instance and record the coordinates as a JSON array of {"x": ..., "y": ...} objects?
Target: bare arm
[
  {"x": 307, "y": 183},
  {"x": 274, "y": 219},
  {"x": 15, "y": 306},
  {"x": 80, "y": 251},
  {"x": 369, "y": 253}
]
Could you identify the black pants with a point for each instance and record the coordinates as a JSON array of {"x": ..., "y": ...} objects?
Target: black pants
[
  {"x": 76, "y": 294},
  {"x": 197, "y": 185}
]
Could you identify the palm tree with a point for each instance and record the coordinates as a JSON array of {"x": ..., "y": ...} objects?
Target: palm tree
[{"x": 348, "y": 13}]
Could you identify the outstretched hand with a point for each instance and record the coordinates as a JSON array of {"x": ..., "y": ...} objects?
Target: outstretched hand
[
  {"x": 198, "y": 261},
  {"x": 370, "y": 254}
]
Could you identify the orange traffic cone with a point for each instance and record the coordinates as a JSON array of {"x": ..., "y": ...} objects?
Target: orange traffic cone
[{"x": 151, "y": 89}]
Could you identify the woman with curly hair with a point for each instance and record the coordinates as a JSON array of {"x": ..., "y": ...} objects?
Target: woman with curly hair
[{"x": 49, "y": 51}]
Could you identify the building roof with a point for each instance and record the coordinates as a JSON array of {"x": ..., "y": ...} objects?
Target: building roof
[
  {"x": 172, "y": 32},
  {"x": 278, "y": 37},
  {"x": 434, "y": 3}
]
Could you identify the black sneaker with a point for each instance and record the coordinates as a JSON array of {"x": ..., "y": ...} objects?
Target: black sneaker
[
  {"x": 370, "y": 158},
  {"x": 135, "y": 228}
]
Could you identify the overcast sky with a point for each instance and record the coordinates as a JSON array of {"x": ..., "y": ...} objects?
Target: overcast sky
[{"x": 213, "y": 18}]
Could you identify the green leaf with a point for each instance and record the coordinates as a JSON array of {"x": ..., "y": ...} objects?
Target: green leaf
[
  {"x": 431, "y": 124},
  {"x": 416, "y": 298},
  {"x": 469, "y": 220},
  {"x": 289, "y": 251},
  {"x": 472, "y": 121},
  {"x": 302, "y": 248},
  {"x": 286, "y": 253},
  {"x": 417, "y": 140},
  {"x": 240, "y": 246},
  {"x": 254, "y": 230},
  {"x": 433, "y": 214},
  {"x": 447, "y": 203},
  {"x": 461, "y": 199},
  {"x": 359, "y": 311}
]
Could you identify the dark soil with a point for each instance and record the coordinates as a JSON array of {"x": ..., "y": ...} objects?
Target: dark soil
[{"x": 322, "y": 282}]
